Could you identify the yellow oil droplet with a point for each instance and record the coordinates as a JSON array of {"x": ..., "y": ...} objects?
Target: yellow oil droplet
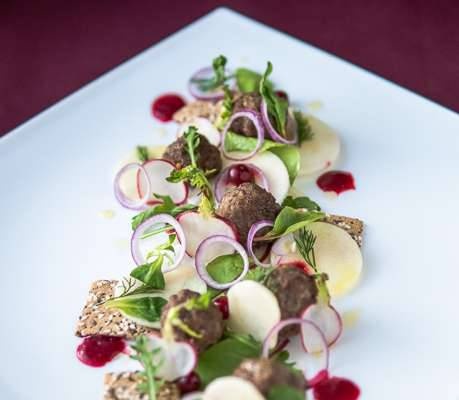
[
  {"x": 350, "y": 318},
  {"x": 122, "y": 243},
  {"x": 315, "y": 105},
  {"x": 107, "y": 214}
]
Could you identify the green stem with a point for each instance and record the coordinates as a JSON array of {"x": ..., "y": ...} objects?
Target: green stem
[{"x": 155, "y": 232}]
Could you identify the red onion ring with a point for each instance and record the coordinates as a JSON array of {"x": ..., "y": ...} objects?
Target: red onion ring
[
  {"x": 220, "y": 180},
  {"x": 193, "y": 88},
  {"x": 201, "y": 263},
  {"x": 251, "y": 236},
  {"x": 125, "y": 201},
  {"x": 276, "y": 136},
  {"x": 296, "y": 321},
  {"x": 159, "y": 218},
  {"x": 257, "y": 122}
]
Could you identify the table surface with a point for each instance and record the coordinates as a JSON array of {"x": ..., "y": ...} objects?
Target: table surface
[{"x": 51, "y": 48}]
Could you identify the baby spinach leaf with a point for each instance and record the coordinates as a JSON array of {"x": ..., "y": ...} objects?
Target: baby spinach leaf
[
  {"x": 142, "y": 153},
  {"x": 290, "y": 156},
  {"x": 224, "y": 357},
  {"x": 226, "y": 268},
  {"x": 284, "y": 392},
  {"x": 304, "y": 128},
  {"x": 146, "y": 308},
  {"x": 290, "y": 220},
  {"x": 150, "y": 274},
  {"x": 300, "y": 202},
  {"x": 248, "y": 80}
]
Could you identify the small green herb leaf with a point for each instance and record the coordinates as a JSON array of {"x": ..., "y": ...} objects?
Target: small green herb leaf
[
  {"x": 219, "y": 78},
  {"x": 258, "y": 274},
  {"x": 284, "y": 392},
  {"x": 277, "y": 106},
  {"x": 146, "y": 308},
  {"x": 150, "y": 274},
  {"x": 224, "y": 357},
  {"x": 301, "y": 202},
  {"x": 304, "y": 128},
  {"x": 142, "y": 153},
  {"x": 248, "y": 80},
  {"x": 166, "y": 207},
  {"x": 226, "y": 268},
  {"x": 290, "y": 220}
]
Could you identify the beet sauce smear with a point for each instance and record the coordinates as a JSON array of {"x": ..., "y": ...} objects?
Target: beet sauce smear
[
  {"x": 98, "y": 350},
  {"x": 336, "y": 181},
  {"x": 165, "y": 106}
]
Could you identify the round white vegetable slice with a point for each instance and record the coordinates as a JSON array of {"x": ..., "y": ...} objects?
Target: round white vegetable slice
[
  {"x": 205, "y": 128},
  {"x": 183, "y": 277},
  {"x": 327, "y": 319},
  {"x": 253, "y": 310},
  {"x": 158, "y": 171},
  {"x": 338, "y": 255},
  {"x": 231, "y": 388},
  {"x": 321, "y": 151},
  {"x": 274, "y": 170},
  {"x": 198, "y": 227}
]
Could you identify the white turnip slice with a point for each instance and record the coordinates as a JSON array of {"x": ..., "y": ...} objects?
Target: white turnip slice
[
  {"x": 231, "y": 388},
  {"x": 204, "y": 127},
  {"x": 327, "y": 319}
]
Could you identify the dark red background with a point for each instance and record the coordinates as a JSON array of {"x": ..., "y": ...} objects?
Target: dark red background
[{"x": 50, "y": 48}]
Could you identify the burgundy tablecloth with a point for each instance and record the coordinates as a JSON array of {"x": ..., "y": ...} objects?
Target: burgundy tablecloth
[{"x": 50, "y": 48}]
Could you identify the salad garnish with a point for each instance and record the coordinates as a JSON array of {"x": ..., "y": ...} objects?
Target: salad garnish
[
  {"x": 142, "y": 153},
  {"x": 216, "y": 81}
]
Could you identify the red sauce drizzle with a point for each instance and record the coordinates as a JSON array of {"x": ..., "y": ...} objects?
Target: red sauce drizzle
[
  {"x": 98, "y": 350},
  {"x": 164, "y": 107},
  {"x": 222, "y": 304},
  {"x": 336, "y": 389},
  {"x": 336, "y": 181}
]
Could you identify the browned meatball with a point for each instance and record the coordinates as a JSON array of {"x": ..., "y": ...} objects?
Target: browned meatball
[
  {"x": 246, "y": 204},
  {"x": 209, "y": 157},
  {"x": 265, "y": 373},
  {"x": 294, "y": 290},
  {"x": 207, "y": 323},
  {"x": 244, "y": 126}
]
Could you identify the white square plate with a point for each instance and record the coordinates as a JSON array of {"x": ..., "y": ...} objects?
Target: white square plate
[{"x": 56, "y": 175}]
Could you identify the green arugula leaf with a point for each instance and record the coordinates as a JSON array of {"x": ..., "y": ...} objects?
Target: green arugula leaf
[
  {"x": 151, "y": 361},
  {"x": 166, "y": 207},
  {"x": 300, "y": 202},
  {"x": 226, "y": 268},
  {"x": 224, "y": 357},
  {"x": 277, "y": 106},
  {"x": 304, "y": 128},
  {"x": 258, "y": 274},
  {"x": 288, "y": 154},
  {"x": 219, "y": 78},
  {"x": 248, "y": 80},
  {"x": 142, "y": 153},
  {"x": 290, "y": 220},
  {"x": 284, "y": 392},
  {"x": 145, "y": 308},
  {"x": 150, "y": 274},
  {"x": 226, "y": 109}
]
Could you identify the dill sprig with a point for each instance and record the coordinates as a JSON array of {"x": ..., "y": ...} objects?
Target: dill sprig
[{"x": 305, "y": 241}]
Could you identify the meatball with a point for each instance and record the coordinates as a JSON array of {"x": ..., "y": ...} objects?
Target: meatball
[
  {"x": 294, "y": 290},
  {"x": 244, "y": 126},
  {"x": 207, "y": 323},
  {"x": 208, "y": 156},
  {"x": 265, "y": 373},
  {"x": 246, "y": 204}
]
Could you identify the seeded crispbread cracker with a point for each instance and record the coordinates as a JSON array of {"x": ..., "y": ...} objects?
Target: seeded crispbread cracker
[
  {"x": 353, "y": 226},
  {"x": 96, "y": 319},
  {"x": 198, "y": 108},
  {"x": 123, "y": 386}
]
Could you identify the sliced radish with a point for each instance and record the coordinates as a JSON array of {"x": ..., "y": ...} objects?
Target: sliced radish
[
  {"x": 198, "y": 227},
  {"x": 327, "y": 319},
  {"x": 274, "y": 170},
  {"x": 337, "y": 255},
  {"x": 125, "y": 196},
  {"x": 184, "y": 277},
  {"x": 254, "y": 310},
  {"x": 284, "y": 246},
  {"x": 158, "y": 171},
  {"x": 231, "y": 388},
  {"x": 205, "y": 128},
  {"x": 321, "y": 151}
]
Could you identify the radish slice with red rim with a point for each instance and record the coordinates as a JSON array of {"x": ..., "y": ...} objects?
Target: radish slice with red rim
[
  {"x": 222, "y": 182},
  {"x": 250, "y": 238},
  {"x": 291, "y": 126},
  {"x": 205, "y": 73},
  {"x": 157, "y": 171},
  {"x": 126, "y": 201},
  {"x": 327, "y": 319},
  {"x": 311, "y": 335},
  {"x": 257, "y": 122},
  {"x": 146, "y": 227},
  {"x": 202, "y": 259}
]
